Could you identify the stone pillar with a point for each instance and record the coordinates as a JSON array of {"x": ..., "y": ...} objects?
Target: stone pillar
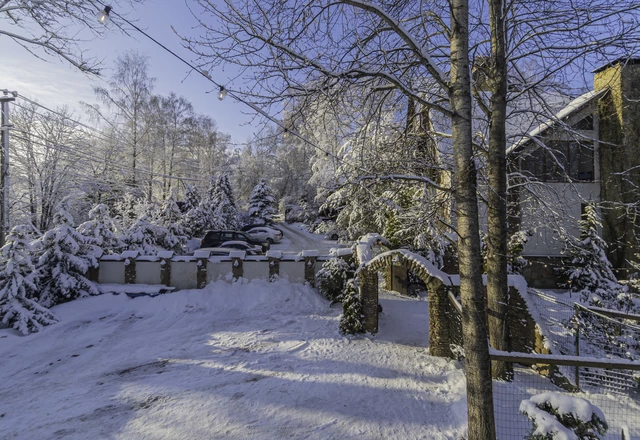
[
  {"x": 130, "y": 266},
  {"x": 369, "y": 299},
  {"x": 439, "y": 339},
  {"x": 93, "y": 274},
  {"x": 274, "y": 264},
  {"x": 165, "y": 267}
]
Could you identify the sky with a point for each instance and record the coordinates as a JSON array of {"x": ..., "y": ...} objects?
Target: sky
[{"x": 53, "y": 83}]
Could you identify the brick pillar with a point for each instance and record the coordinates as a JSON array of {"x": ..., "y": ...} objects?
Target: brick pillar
[
  {"x": 274, "y": 268},
  {"x": 439, "y": 340},
  {"x": 369, "y": 298},
  {"x": 310, "y": 270}
]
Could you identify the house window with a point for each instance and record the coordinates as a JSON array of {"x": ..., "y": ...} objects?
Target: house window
[
  {"x": 584, "y": 124},
  {"x": 559, "y": 160}
]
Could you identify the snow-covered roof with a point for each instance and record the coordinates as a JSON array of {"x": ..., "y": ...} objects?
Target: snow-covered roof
[{"x": 574, "y": 106}]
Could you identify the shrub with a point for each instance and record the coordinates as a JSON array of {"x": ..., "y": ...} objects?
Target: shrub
[
  {"x": 351, "y": 320},
  {"x": 332, "y": 278}
]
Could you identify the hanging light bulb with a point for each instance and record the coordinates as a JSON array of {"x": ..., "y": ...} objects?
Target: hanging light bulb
[
  {"x": 222, "y": 93},
  {"x": 103, "y": 16},
  {"x": 285, "y": 134}
]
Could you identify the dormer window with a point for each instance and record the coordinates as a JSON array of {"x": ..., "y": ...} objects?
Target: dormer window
[{"x": 561, "y": 159}]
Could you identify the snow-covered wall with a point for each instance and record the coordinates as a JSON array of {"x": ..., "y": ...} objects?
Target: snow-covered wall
[
  {"x": 183, "y": 274},
  {"x": 111, "y": 272}
]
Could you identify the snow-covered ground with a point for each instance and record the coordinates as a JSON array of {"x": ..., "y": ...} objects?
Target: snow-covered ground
[{"x": 243, "y": 361}]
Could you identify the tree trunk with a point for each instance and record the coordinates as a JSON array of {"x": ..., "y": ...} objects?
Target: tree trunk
[
  {"x": 478, "y": 364},
  {"x": 497, "y": 284}
]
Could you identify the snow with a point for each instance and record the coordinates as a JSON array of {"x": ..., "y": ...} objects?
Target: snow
[
  {"x": 297, "y": 238},
  {"x": 257, "y": 360},
  {"x": 546, "y": 424}
]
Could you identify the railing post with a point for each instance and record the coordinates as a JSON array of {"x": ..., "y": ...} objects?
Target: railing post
[
  {"x": 130, "y": 266},
  {"x": 165, "y": 267},
  {"x": 369, "y": 298},
  {"x": 576, "y": 323}
]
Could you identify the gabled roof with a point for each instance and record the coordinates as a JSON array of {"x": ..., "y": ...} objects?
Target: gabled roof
[
  {"x": 573, "y": 107},
  {"x": 627, "y": 61}
]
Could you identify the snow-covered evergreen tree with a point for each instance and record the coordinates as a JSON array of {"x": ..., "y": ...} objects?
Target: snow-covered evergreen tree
[
  {"x": 66, "y": 256},
  {"x": 191, "y": 198},
  {"x": 18, "y": 290},
  {"x": 351, "y": 320},
  {"x": 332, "y": 278},
  {"x": 589, "y": 270},
  {"x": 225, "y": 203},
  {"x": 128, "y": 209},
  {"x": 515, "y": 261},
  {"x": 143, "y": 236},
  {"x": 262, "y": 203},
  {"x": 172, "y": 236},
  {"x": 102, "y": 229}
]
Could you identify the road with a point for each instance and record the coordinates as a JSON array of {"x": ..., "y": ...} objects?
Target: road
[{"x": 296, "y": 240}]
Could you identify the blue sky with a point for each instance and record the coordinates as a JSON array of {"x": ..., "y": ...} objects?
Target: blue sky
[{"x": 54, "y": 83}]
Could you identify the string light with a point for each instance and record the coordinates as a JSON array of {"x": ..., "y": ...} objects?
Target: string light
[
  {"x": 103, "y": 16},
  {"x": 222, "y": 93}
]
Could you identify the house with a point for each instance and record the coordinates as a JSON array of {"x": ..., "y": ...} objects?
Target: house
[{"x": 589, "y": 151}]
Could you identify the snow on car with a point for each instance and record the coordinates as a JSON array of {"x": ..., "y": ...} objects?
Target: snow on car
[
  {"x": 265, "y": 234},
  {"x": 242, "y": 246}
]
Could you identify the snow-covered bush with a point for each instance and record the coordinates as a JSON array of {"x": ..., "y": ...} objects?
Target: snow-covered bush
[
  {"x": 66, "y": 256},
  {"x": 557, "y": 416},
  {"x": 102, "y": 230},
  {"x": 332, "y": 278},
  {"x": 18, "y": 290},
  {"x": 261, "y": 203},
  {"x": 351, "y": 320}
]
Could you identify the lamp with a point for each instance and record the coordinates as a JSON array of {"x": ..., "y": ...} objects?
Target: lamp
[{"x": 103, "y": 16}]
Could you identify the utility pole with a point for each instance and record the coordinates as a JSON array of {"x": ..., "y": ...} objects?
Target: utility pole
[{"x": 5, "y": 99}]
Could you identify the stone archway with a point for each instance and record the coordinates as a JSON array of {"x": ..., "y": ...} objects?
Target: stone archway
[{"x": 435, "y": 280}]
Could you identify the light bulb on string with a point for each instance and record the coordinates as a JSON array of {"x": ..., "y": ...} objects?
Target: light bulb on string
[
  {"x": 285, "y": 134},
  {"x": 103, "y": 16},
  {"x": 222, "y": 93}
]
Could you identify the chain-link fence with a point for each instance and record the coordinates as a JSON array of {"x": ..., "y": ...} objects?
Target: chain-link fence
[{"x": 620, "y": 408}]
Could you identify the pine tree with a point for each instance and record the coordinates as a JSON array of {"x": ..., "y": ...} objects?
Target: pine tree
[
  {"x": 261, "y": 203},
  {"x": 102, "y": 229},
  {"x": 351, "y": 320},
  {"x": 66, "y": 257},
  {"x": 589, "y": 271},
  {"x": 173, "y": 236},
  {"x": 225, "y": 202},
  {"x": 192, "y": 198},
  {"x": 18, "y": 289}
]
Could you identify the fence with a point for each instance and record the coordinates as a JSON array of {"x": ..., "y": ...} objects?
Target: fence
[{"x": 621, "y": 408}]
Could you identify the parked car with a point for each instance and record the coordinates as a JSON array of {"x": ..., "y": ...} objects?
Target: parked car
[
  {"x": 224, "y": 251},
  {"x": 255, "y": 225},
  {"x": 265, "y": 233},
  {"x": 242, "y": 246},
  {"x": 217, "y": 237}
]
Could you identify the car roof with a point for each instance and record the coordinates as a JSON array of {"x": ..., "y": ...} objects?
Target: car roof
[{"x": 237, "y": 242}]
